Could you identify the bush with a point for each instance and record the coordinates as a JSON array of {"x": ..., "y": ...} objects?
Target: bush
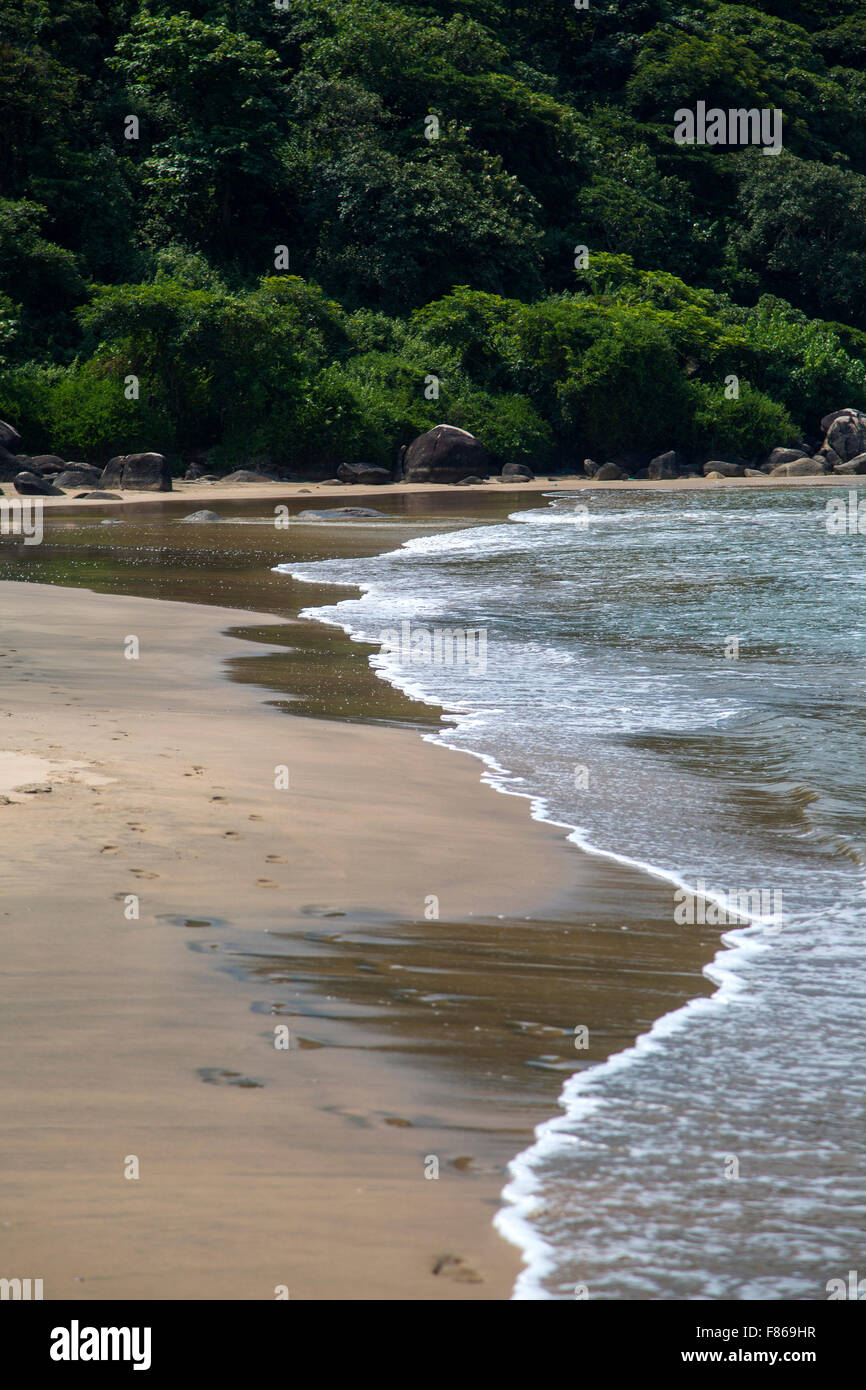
[{"x": 748, "y": 427}]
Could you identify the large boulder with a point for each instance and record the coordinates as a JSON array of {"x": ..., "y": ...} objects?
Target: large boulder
[
  {"x": 246, "y": 475},
  {"x": 45, "y": 464},
  {"x": 590, "y": 467},
  {"x": 10, "y": 439},
  {"x": 779, "y": 456},
  {"x": 846, "y": 433},
  {"x": 367, "y": 473},
  {"x": 517, "y": 473},
  {"x": 799, "y": 468},
  {"x": 854, "y": 465},
  {"x": 664, "y": 466},
  {"x": 609, "y": 473},
  {"x": 31, "y": 485},
  {"x": 445, "y": 454},
  {"x": 77, "y": 475},
  {"x": 727, "y": 470},
  {"x": 137, "y": 473},
  {"x": 10, "y": 466}
]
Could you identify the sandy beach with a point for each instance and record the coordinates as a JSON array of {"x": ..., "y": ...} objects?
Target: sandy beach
[{"x": 170, "y": 905}]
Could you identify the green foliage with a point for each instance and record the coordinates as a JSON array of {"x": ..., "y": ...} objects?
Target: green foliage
[
  {"x": 308, "y": 128},
  {"x": 747, "y": 427}
]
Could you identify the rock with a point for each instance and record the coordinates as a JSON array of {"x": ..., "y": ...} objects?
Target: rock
[
  {"x": 609, "y": 473},
  {"x": 519, "y": 472},
  {"x": 854, "y": 465},
  {"x": 29, "y": 485},
  {"x": 664, "y": 465},
  {"x": 834, "y": 415},
  {"x": 83, "y": 476},
  {"x": 246, "y": 475},
  {"x": 590, "y": 467},
  {"x": 336, "y": 513},
  {"x": 195, "y": 472},
  {"x": 469, "y": 482},
  {"x": 779, "y": 456},
  {"x": 330, "y": 482},
  {"x": 367, "y": 473},
  {"x": 33, "y": 787},
  {"x": 44, "y": 464},
  {"x": 713, "y": 477},
  {"x": 137, "y": 473},
  {"x": 445, "y": 454},
  {"x": 754, "y": 473},
  {"x": 203, "y": 515},
  {"x": 727, "y": 470},
  {"x": 829, "y": 456},
  {"x": 847, "y": 434},
  {"x": 10, "y": 466},
  {"x": 100, "y": 496},
  {"x": 799, "y": 468},
  {"x": 10, "y": 439}
]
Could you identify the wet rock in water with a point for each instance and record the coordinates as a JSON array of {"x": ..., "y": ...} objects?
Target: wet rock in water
[
  {"x": 727, "y": 470},
  {"x": 609, "y": 473},
  {"x": 336, "y": 513},
  {"x": 203, "y": 515},
  {"x": 799, "y": 468},
  {"x": 367, "y": 473},
  {"x": 29, "y": 485}
]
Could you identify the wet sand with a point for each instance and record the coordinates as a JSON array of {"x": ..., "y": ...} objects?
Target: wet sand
[{"x": 415, "y": 1041}]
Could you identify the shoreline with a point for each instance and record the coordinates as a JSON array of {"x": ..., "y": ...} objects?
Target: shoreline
[{"x": 455, "y": 1079}]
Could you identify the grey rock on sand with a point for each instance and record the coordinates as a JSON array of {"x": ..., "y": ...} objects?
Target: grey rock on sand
[
  {"x": 664, "y": 466},
  {"x": 518, "y": 472},
  {"x": 29, "y": 485},
  {"x": 247, "y": 475},
  {"x": 727, "y": 470},
  {"x": 799, "y": 468},
  {"x": 846, "y": 432},
  {"x": 368, "y": 473},
  {"x": 137, "y": 473},
  {"x": 99, "y": 496},
  {"x": 780, "y": 456},
  {"x": 609, "y": 473}
]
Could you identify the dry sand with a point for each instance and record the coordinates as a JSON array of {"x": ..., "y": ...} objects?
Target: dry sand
[{"x": 140, "y": 1039}]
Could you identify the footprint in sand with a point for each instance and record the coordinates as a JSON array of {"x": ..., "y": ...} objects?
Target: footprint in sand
[
  {"x": 143, "y": 873},
  {"x": 266, "y": 883},
  {"x": 231, "y": 835},
  {"x": 276, "y": 859},
  {"x": 455, "y": 1267},
  {"x": 218, "y": 798},
  {"x": 111, "y": 849},
  {"x": 134, "y": 825},
  {"x": 256, "y": 817},
  {"x": 219, "y": 1076}
]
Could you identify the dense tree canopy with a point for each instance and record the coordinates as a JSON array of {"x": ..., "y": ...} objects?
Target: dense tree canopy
[{"x": 284, "y": 217}]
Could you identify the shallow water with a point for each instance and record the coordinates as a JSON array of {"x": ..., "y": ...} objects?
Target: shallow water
[{"x": 723, "y": 1156}]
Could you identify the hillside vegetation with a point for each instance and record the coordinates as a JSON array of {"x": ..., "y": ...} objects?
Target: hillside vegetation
[{"x": 291, "y": 267}]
